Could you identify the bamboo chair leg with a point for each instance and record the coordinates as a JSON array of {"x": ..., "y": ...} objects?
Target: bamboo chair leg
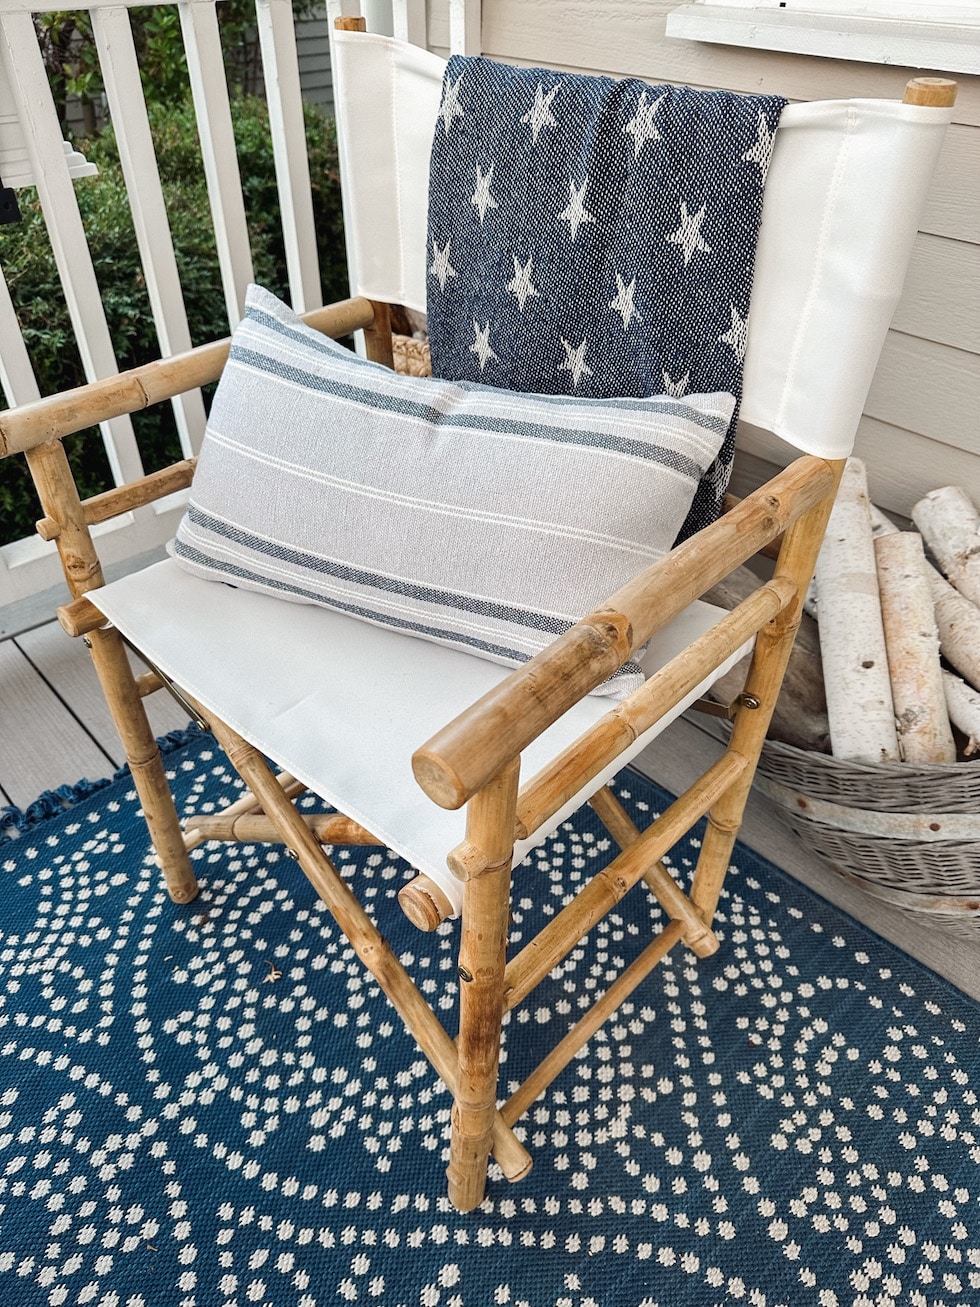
[
  {"x": 367, "y": 941},
  {"x": 126, "y": 705},
  {"x": 482, "y": 959},
  {"x": 797, "y": 560},
  {"x": 59, "y": 498}
]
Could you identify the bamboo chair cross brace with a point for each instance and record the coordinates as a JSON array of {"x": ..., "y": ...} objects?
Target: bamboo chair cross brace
[{"x": 367, "y": 941}]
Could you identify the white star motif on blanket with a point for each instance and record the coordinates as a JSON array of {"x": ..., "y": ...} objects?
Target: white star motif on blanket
[
  {"x": 481, "y": 198},
  {"x": 441, "y": 266},
  {"x": 450, "y": 107},
  {"x": 640, "y": 126},
  {"x": 761, "y": 152},
  {"x": 737, "y": 334},
  {"x": 623, "y": 303},
  {"x": 688, "y": 234},
  {"x": 540, "y": 115},
  {"x": 481, "y": 344},
  {"x": 676, "y": 389},
  {"x": 521, "y": 286},
  {"x": 576, "y": 213},
  {"x": 575, "y": 361}
]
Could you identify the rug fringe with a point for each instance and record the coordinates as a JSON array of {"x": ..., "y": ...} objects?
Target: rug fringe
[{"x": 16, "y": 822}]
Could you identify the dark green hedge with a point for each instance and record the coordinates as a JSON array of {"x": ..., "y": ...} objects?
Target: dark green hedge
[{"x": 29, "y": 267}]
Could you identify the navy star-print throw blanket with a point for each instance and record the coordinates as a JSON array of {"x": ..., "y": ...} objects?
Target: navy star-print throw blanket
[{"x": 594, "y": 237}]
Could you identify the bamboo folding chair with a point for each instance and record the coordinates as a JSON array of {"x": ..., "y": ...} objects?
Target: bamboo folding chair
[{"x": 522, "y": 749}]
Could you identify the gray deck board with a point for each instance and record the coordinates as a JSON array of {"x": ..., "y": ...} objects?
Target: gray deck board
[
  {"x": 42, "y": 744},
  {"x": 66, "y": 665}
]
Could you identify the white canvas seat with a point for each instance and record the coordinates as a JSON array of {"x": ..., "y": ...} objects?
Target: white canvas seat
[
  {"x": 349, "y": 730},
  {"x": 399, "y": 734}
]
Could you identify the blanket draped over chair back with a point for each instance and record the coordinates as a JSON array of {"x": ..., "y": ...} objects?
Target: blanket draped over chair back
[{"x": 594, "y": 237}]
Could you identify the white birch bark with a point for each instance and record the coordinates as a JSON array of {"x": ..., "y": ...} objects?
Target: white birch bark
[
  {"x": 912, "y": 644},
  {"x": 959, "y": 628},
  {"x": 963, "y": 705},
  {"x": 950, "y": 526},
  {"x": 880, "y": 524},
  {"x": 852, "y": 638}
]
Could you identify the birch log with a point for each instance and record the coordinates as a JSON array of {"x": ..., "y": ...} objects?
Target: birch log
[
  {"x": 963, "y": 705},
  {"x": 959, "y": 628},
  {"x": 950, "y": 526},
  {"x": 800, "y": 715},
  {"x": 852, "y": 638},
  {"x": 957, "y": 619},
  {"x": 912, "y": 644}
]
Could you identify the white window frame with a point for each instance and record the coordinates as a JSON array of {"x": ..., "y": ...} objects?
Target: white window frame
[{"x": 939, "y": 35}]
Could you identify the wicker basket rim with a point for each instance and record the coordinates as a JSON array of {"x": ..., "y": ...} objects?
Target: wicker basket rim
[{"x": 906, "y": 771}]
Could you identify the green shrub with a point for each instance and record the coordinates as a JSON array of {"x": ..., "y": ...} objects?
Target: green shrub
[{"x": 39, "y": 300}]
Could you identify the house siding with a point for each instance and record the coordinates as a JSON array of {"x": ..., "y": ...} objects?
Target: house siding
[
  {"x": 313, "y": 50},
  {"x": 921, "y": 427}
]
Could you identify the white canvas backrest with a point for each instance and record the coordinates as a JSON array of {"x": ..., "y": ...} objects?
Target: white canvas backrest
[{"x": 845, "y": 189}]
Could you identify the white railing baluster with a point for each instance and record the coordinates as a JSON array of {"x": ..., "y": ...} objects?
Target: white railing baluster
[
  {"x": 35, "y": 108},
  {"x": 465, "y": 19},
  {"x": 209, "y": 89},
  {"x": 16, "y": 370},
  {"x": 127, "y": 110},
  {"x": 408, "y": 20},
  {"x": 280, "y": 71}
]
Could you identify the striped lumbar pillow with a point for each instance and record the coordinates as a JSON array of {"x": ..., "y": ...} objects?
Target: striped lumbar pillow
[{"x": 454, "y": 512}]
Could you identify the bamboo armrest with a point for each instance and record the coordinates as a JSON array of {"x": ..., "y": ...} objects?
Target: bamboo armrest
[
  {"x": 61, "y": 415},
  {"x": 461, "y": 758}
]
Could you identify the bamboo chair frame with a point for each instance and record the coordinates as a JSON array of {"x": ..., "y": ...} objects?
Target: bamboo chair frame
[{"x": 474, "y": 760}]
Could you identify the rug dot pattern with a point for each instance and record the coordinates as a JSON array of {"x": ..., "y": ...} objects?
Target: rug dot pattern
[{"x": 214, "y": 1105}]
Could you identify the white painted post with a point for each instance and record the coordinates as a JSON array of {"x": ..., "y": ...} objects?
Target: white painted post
[
  {"x": 280, "y": 71},
  {"x": 408, "y": 21},
  {"x": 127, "y": 109},
  {"x": 465, "y": 20},
  {"x": 209, "y": 89},
  {"x": 36, "y": 111}
]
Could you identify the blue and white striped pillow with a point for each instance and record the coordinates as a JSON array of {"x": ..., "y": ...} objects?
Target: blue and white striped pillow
[{"x": 454, "y": 512}]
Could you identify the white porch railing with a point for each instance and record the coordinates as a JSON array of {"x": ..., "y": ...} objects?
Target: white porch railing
[{"x": 30, "y": 132}]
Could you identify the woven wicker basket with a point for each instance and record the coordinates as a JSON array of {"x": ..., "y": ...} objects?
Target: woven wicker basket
[{"x": 909, "y": 835}]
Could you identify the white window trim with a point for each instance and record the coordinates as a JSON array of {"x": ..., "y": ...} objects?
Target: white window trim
[{"x": 906, "y": 42}]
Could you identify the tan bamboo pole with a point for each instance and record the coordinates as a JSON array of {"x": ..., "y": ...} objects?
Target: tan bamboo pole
[
  {"x": 939, "y": 92},
  {"x": 123, "y": 499},
  {"x": 127, "y": 392},
  {"x": 365, "y": 938},
  {"x": 257, "y": 828},
  {"x": 797, "y": 560},
  {"x": 424, "y": 903},
  {"x": 583, "y": 1030},
  {"x": 83, "y": 571},
  {"x": 80, "y": 616},
  {"x": 377, "y": 338},
  {"x": 461, "y": 758},
  {"x": 148, "y": 683},
  {"x": 699, "y": 938},
  {"x": 610, "y": 885},
  {"x": 553, "y": 786},
  {"x": 482, "y": 959},
  {"x": 193, "y": 836},
  {"x": 614, "y": 817}
]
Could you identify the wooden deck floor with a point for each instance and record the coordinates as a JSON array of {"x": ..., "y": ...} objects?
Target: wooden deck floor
[{"x": 55, "y": 729}]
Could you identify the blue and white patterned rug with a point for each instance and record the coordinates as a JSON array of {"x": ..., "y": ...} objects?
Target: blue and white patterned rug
[{"x": 211, "y": 1106}]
